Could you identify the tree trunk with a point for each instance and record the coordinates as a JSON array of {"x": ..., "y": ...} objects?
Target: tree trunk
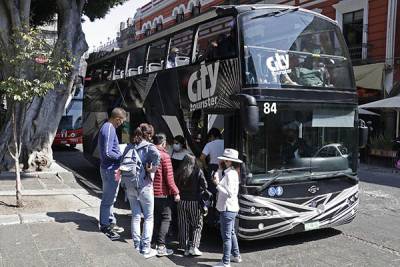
[
  {"x": 17, "y": 145},
  {"x": 43, "y": 114},
  {"x": 18, "y": 184}
]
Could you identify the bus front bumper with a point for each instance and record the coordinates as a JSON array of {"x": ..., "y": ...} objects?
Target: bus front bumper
[{"x": 261, "y": 217}]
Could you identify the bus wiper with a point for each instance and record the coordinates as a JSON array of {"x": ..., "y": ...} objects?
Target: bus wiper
[
  {"x": 279, "y": 172},
  {"x": 336, "y": 174},
  {"x": 351, "y": 177},
  {"x": 277, "y": 13}
]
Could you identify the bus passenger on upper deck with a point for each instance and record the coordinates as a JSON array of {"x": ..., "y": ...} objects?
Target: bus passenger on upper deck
[{"x": 171, "y": 63}]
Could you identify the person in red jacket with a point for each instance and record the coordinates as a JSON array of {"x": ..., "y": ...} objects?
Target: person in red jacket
[{"x": 165, "y": 190}]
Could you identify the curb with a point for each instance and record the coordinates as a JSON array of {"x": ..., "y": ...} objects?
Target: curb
[
  {"x": 86, "y": 214},
  {"x": 46, "y": 192},
  {"x": 43, "y": 217}
]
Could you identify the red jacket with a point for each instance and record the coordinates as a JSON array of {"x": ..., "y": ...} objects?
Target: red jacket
[{"x": 164, "y": 184}]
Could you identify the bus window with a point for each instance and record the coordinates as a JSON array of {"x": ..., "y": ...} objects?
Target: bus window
[
  {"x": 156, "y": 57},
  {"x": 297, "y": 49},
  {"x": 180, "y": 49},
  {"x": 119, "y": 69},
  {"x": 216, "y": 40},
  {"x": 107, "y": 69},
  {"x": 136, "y": 61}
]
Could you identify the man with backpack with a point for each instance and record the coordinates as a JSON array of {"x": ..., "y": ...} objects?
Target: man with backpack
[
  {"x": 138, "y": 166},
  {"x": 165, "y": 190},
  {"x": 110, "y": 157}
]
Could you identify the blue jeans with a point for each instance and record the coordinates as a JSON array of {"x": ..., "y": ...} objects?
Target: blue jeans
[
  {"x": 110, "y": 192},
  {"x": 227, "y": 221},
  {"x": 141, "y": 202}
]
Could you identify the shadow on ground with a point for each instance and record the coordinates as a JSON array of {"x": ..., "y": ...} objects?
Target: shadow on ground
[{"x": 85, "y": 223}]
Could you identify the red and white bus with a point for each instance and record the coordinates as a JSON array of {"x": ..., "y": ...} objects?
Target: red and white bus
[{"x": 69, "y": 130}]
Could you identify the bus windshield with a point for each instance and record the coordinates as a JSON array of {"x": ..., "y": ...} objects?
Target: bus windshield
[
  {"x": 72, "y": 117},
  {"x": 317, "y": 139},
  {"x": 291, "y": 48}
]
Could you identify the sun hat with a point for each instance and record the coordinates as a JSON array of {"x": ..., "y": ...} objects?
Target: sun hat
[{"x": 231, "y": 155}]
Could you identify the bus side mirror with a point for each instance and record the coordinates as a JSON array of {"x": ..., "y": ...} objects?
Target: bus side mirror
[
  {"x": 362, "y": 134},
  {"x": 249, "y": 113}
]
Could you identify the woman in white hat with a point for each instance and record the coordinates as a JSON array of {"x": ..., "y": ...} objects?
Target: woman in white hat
[{"x": 228, "y": 203}]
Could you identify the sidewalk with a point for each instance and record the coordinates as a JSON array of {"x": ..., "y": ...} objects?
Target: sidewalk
[{"x": 58, "y": 225}]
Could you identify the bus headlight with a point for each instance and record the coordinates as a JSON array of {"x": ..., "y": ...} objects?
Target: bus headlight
[
  {"x": 260, "y": 226},
  {"x": 253, "y": 210}
]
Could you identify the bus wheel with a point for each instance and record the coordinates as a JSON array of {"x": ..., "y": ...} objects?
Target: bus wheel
[{"x": 72, "y": 145}]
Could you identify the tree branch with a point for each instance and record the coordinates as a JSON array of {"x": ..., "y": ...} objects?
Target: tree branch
[
  {"x": 25, "y": 7},
  {"x": 9, "y": 151},
  {"x": 81, "y": 5}
]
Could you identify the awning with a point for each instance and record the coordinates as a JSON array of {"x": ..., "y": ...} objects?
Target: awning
[
  {"x": 367, "y": 112},
  {"x": 390, "y": 103},
  {"x": 370, "y": 76}
]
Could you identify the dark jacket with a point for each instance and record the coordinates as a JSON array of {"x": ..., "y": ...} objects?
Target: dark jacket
[
  {"x": 192, "y": 188},
  {"x": 164, "y": 184}
]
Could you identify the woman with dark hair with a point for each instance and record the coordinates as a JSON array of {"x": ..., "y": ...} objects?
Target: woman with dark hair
[
  {"x": 191, "y": 183},
  {"x": 179, "y": 150},
  {"x": 148, "y": 131},
  {"x": 227, "y": 185},
  {"x": 139, "y": 188}
]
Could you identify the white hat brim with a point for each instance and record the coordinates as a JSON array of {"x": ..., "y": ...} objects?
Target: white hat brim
[{"x": 230, "y": 159}]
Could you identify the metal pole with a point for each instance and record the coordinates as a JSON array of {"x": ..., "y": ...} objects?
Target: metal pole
[{"x": 397, "y": 122}]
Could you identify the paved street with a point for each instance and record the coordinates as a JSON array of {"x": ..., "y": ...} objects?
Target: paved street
[
  {"x": 71, "y": 238},
  {"x": 373, "y": 239}
]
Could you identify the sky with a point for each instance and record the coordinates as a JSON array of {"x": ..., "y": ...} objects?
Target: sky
[{"x": 100, "y": 29}]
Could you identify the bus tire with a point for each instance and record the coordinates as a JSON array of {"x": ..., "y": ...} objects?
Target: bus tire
[{"x": 72, "y": 145}]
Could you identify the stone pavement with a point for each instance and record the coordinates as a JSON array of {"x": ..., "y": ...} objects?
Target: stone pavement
[{"x": 58, "y": 225}]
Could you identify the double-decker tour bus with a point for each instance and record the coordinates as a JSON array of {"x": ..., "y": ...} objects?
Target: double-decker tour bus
[
  {"x": 69, "y": 130},
  {"x": 277, "y": 80}
]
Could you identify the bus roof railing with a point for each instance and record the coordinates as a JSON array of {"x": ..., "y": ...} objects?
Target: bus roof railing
[{"x": 216, "y": 11}]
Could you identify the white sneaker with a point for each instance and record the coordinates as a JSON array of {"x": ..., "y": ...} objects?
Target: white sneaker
[
  {"x": 195, "y": 251},
  {"x": 221, "y": 264},
  {"x": 237, "y": 259},
  {"x": 150, "y": 253}
]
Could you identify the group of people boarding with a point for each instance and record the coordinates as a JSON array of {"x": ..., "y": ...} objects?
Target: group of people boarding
[{"x": 155, "y": 182}]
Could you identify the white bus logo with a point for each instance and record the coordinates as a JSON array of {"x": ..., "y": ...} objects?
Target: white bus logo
[
  {"x": 278, "y": 64},
  {"x": 201, "y": 90}
]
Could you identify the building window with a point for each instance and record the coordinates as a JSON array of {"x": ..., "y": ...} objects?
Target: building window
[
  {"x": 147, "y": 32},
  {"x": 159, "y": 27},
  {"x": 180, "y": 18},
  {"x": 195, "y": 10},
  {"x": 353, "y": 33}
]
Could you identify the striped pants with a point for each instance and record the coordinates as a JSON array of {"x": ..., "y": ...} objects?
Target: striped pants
[{"x": 190, "y": 223}]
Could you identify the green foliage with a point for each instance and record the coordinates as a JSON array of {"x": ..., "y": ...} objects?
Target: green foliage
[
  {"x": 30, "y": 66},
  {"x": 43, "y": 11},
  {"x": 96, "y": 9}
]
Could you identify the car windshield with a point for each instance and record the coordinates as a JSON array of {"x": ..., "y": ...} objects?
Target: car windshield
[
  {"x": 306, "y": 139},
  {"x": 291, "y": 48}
]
